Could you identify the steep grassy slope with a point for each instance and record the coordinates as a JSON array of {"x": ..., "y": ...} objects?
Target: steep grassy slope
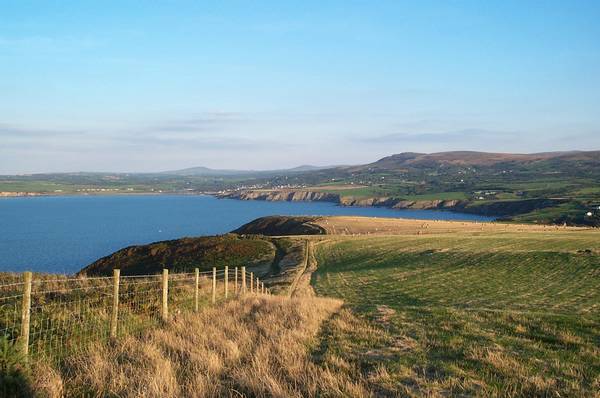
[
  {"x": 185, "y": 254},
  {"x": 515, "y": 314}
]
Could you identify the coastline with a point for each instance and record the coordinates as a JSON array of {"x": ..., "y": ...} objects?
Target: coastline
[
  {"x": 64, "y": 194},
  {"x": 500, "y": 211},
  {"x": 497, "y": 210},
  {"x": 235, "y": 195}
]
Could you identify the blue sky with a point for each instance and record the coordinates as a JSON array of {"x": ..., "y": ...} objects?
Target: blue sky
[{"x": 146, "y": 86}]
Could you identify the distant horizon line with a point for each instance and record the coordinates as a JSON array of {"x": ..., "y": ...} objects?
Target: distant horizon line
[{"x": 309, "y": 167}]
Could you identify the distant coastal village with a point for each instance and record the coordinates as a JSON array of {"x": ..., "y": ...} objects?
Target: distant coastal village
[{"x": 14, "y": 194}]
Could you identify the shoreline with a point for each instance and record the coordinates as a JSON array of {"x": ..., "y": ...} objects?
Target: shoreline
[
  {"x": 338, "y": 200},
  {"x": 68, "y": 195},
  {"x": 494, "y": 211},
  {"x": 221, "y": 196}
]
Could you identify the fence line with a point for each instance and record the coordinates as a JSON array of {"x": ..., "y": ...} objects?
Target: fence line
[{"x": 51, "y": 318}]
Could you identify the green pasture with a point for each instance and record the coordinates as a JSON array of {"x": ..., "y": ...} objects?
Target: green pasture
[{"x": 512, "y": 314}]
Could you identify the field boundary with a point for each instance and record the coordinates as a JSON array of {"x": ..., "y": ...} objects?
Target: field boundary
[{"x": 51, "y": 317}]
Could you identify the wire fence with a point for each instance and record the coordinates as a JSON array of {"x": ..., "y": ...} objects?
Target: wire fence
[{"x": 52, "y": 317}]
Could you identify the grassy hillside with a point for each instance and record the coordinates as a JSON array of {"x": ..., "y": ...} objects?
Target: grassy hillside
[
  {"x": 183, "y": 255},
  {"x": 475, "y": 313}
]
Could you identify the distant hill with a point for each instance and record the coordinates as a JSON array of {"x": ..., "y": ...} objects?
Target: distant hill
[
  {"x": 205, "y": 171},
  {"x": 411, "y": 160}
]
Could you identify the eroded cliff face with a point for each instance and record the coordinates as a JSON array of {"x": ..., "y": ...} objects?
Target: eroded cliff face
[
  {"x": 376, "y": 202},
  {"x": 402, "y": 204},
  {"x": 284, "y": 195},
  {"x": 430, "y": 204},
  {"x": 315, "y": 196},
  {"x": 499, "y": 208}
]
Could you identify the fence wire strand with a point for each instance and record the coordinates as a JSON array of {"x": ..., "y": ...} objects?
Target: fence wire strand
[{"x": 67, "y": 314}]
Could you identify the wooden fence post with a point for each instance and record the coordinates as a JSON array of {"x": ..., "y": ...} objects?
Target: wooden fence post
[
  {"x": 165, "y": 294},
  {"x": 196, "y": 283},
  {"x": 114, "y": 320},
  {"x": 26, "y": 314},
  {"x": 257, "y": 286},
  {"x": 251, "y": 282},
  {"x": 243, "y": 279},
  {"x": 214, "y": 285},
  {"x": 235, "y": 283},
  {"x": 226, "y": 281}
]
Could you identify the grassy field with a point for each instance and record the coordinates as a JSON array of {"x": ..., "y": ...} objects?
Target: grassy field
[
  {"x": 464, "y": 232},
  {"x": 478, "y": 313},
  {"x": 430, "y": 308}
]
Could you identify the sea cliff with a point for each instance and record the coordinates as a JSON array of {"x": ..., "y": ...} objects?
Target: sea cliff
[
  {"x": 316, "y": 196},
  {"x": 489, "y": 208}
]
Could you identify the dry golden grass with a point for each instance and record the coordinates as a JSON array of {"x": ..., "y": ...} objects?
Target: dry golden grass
[
  {"x": 350, "y": 225},
  {"x": 255, "y": 347}
]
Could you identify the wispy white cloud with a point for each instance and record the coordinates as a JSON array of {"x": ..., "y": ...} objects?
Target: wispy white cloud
[
  {"x": 471, "y": 135},
  {"x": 8, "y": 131},
  {"x": 205, "y": 122},
  {"x": 218, "y": 131}
]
